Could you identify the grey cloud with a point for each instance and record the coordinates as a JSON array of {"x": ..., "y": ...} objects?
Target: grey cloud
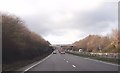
[
  {"x": 97, "y": 20},
  {"x": 94, "y": 21},
  {"x": 42, "y": 25},
  {"x": 38, "y": 23}
]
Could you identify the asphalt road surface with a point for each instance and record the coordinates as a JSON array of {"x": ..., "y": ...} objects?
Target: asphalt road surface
[{"x": 68, "y": 62}]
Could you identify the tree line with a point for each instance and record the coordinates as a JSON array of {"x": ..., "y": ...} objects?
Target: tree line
[
  {"x": 97, "y": 43},
  {"x": 18, "y": 42}
]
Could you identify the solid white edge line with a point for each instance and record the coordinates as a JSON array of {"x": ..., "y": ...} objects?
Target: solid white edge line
[
  {"x": 102, "y": 62},
  {"x": 37, "y": 63},
  {"x": 74, "y": 66}
]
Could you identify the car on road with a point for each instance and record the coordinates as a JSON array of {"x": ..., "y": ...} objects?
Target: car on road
[
  {"x": 62, "y": 52},
  {"x": 54, "y": 52}
]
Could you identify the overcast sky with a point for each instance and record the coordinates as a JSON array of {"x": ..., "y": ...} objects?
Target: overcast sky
[{"x": 65, "y": 21}]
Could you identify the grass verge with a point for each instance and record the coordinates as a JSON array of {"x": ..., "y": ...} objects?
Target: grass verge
[
  {"x": 17, "y": 65},
  {"x": 111, "y": 60}
]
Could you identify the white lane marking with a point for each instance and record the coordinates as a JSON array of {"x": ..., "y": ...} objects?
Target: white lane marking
[
  {"x": 74, "y": 66},
  {"x": 64, "y": 59},
  {"x": 37, "y": 63},
  {"x": 102, "y": 62},
  {"x": 67, "y": 61}
]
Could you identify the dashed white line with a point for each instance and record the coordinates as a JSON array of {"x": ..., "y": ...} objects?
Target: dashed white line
[
  {"x": 67, "y": 61},
  {"x": 74, "y": 66},
  {"x": 64, "y": 59}
]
